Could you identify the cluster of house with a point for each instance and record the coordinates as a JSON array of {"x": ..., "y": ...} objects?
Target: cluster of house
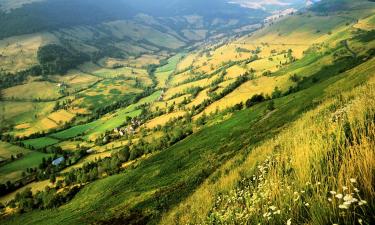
[{"x": 134, "y": 124}]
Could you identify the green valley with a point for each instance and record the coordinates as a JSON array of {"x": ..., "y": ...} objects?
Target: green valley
[{"x": 165, "y": 113}]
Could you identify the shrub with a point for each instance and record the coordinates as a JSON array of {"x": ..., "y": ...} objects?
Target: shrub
[
  {"x": 257, "y": 98},
  {"x": 271, "y": 105}
]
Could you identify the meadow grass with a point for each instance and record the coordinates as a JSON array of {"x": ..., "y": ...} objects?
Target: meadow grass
[
  {"x": 164, "y": 104},
  {"x": 107, "y": 123},
  {"x": 186, "y": 61},
  {"x": 171, "y": 65},
  {"x": 180, "y": 78},
  {"x": 162, "y": 120},
  {"x": 292, "y": 176},
  {"x": 13, "y": 170},
  {"x": 7, "y": 150},
  {"x": 35, "y": 187},
  {"x": 40, "y": 143},
  {"x": 171, "y": 171},
  {"x": 61, "y": 116},
  {"x": 110, "y": 124},
  {"x": 21, "y": 112},
  {"x": 21, "y": 51},
  {"x": 313, "y": 172},
  {"x": 31, "y": 91},
  {"x": 74, "y": 131}
]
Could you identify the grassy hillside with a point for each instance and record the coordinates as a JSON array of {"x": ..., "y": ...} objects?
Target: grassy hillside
[
  {"x": 296, "y": 174},
  {"x": 157, "y": 183},
  {"x": 275, "y": 126}
]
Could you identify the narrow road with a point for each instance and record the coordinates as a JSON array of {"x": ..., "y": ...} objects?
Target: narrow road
[{"x": 346, "y": 45}]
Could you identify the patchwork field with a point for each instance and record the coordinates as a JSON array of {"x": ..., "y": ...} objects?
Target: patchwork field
[
  {"x": 179, "y": 78},
  {"x": 165, "y": 104},
  {"x": 366, "y": 24},
  {"x": 20, "y": 52},
  {"x": 35, "y": 187},
  {"x": 137, "y": 62},
  {"x": 40, "y": 143},
  {"x": 21, "y": 112},
  {"x": 75, "y": 80},
  {"x": 163, "y": 73},
  {"x": 106, "y": 123},
  {"x": 162, "y": 120},
  {"x": 61, "y": 116},
  {"x": 12, "y": 171},
  {"x": 7, "y": 150},
  {"x": 31, "y": 91},
  {"x": 263, "y": 85},
  {"x": 186, "y": 61},
  {"x": 118, "y": 72}
]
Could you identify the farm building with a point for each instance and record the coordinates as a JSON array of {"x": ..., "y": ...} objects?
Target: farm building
[
  {"x": 58, "y": 161},
  {"x": 90, "y": 151}
]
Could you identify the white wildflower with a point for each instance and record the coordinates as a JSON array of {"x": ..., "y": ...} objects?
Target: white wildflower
[
  {"x": 332, "y": 192},
  {"x": 353, "y": 180},
  {"x": 339, "y": 196},
  {"x": 344, "y": 188},
  {"x": 347, "y": 197},
  {"x": 289, "y": 222},
  {"x": 273, "y": 208},
  {"x": 307, "y": 204},
  {"x": 330, "y": 199},
  {"x": 362, "y": 202},
  {"x": 350, "y": 199},
  {"x": 344, "y": 206},
  {"x": 356, "y": 190}
]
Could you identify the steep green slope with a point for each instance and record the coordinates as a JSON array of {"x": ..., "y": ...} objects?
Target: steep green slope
[{"x": 141, "y": 194}]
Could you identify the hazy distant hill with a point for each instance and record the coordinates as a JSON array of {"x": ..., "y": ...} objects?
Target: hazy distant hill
[
  {"x": 271, "y": 5},
  {"x": 45, "y": 15}
]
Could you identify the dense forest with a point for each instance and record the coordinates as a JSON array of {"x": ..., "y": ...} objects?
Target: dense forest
[
  {"x": 55, "y": 59},
  {"x": 57, "y": 14}
]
